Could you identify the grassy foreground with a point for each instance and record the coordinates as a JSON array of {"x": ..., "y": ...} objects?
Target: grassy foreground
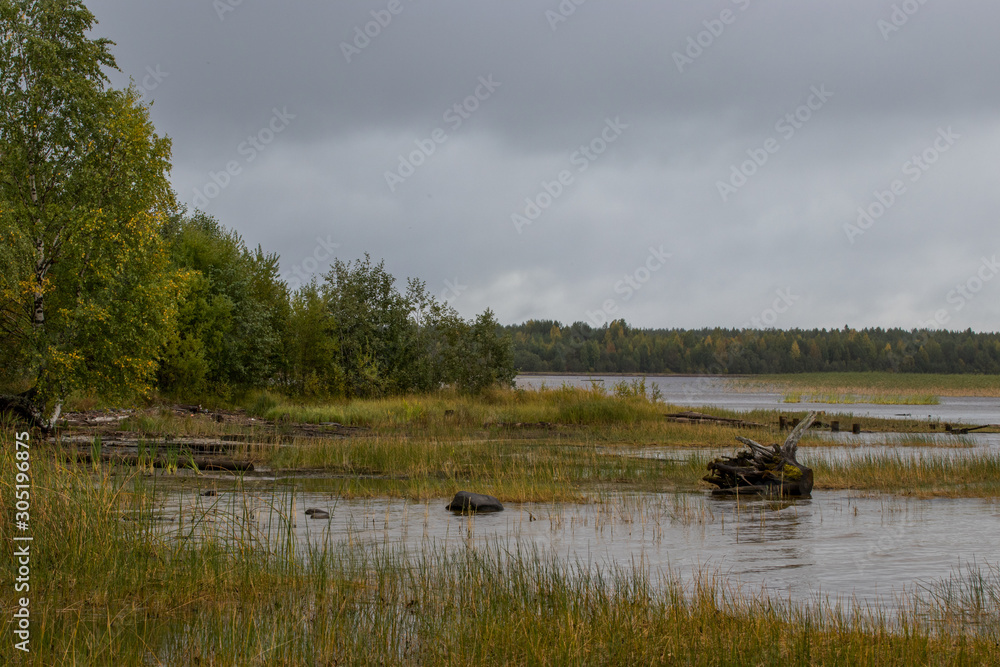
[{"x": 110, "y": 591}]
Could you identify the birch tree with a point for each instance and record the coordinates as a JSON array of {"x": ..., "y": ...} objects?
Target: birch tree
[{"x": 86, "y": 297}]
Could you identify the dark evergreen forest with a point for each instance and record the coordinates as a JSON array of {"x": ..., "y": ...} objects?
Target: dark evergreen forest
[{"x": 549, "y": 346}]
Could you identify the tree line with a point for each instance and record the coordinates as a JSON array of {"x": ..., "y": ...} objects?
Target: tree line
[
  {"x": 549, "y": 346},
  {"x": 109, "y": 286},
  {"x": 352, "y": 333}
]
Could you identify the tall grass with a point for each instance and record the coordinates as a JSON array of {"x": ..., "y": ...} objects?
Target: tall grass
[
  {"x": 874, "y": 383},
  {"x": 838, "y": 398},
  {"x": 556, "y": 444},
  {"x": 510, "y": 469},
  {"x": 904, "y": 474},
  {"x": 968, "y": 599},
  {"x": 629, "y": 402},
  {"x": 112, "y": 591}
]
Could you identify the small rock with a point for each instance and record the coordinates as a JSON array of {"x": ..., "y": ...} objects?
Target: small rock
[
  {"x": 316, "y": 513},
  {"x": 466, "y": 501}
]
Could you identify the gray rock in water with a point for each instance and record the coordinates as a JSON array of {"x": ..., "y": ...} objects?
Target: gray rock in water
[
  {"x": 317, "y": 513},
  {"x": 466, "y": 501}
]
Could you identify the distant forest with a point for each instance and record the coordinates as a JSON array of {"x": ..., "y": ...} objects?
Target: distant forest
[{"x": 548, "y": 346}]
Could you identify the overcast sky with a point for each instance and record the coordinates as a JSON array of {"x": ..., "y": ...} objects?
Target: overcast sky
[{"x": 676, "y": 164}]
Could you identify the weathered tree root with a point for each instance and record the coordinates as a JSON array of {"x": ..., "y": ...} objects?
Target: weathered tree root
[
  {"x": 768, "y": 471},
  {"x": 22, "y": 408}
]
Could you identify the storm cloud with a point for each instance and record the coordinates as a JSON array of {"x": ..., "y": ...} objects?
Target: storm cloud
[{"x": 675, "y": 164}]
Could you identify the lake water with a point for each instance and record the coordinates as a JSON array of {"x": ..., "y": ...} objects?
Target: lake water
[
  {"x": 841, "y": 545},
  {"x": 717, "y": 391}
]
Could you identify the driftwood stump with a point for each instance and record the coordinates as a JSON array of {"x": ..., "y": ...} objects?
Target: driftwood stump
[{"x": 769, "y": 471}]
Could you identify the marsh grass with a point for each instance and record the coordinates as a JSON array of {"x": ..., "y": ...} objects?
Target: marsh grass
[
  {"x": 627, "y": 403},
  {"x": 512, "y": 470},
  {"x": 555, "y": 444},
  {"x": 942, "y": 441},
  {"x": 630, "y": 416},
  {"x": 838, "y": 398},
  {"x": 112, "y": 591},
  {"x": 519, "y": 471},
  {"x": 968, "y": 598},
  {"x": 874, "y": 384},
  {"x": 921, "y": 476}
]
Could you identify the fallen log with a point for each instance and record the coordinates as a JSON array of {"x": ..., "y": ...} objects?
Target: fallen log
[
  {"x": 200, "y": 463},
  {"x": 969, "y": 429},
  {"x": 769, "y": 471},
  {"x": 689, "y": 417}
]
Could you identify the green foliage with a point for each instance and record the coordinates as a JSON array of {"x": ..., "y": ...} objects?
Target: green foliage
[
  {"x": 86, "y": 295},
  {"x": 488, "y": 358},
  {"x": 232, "y": 314},
  {"x": 260, "y": 404},
  {"x": 547, "y": 346},
  {"x": 376, "y": 341},
  {"x": 313, "y": 367},
  {"x": 353, "y": 335},
  {"x": 356, "y": 335}
]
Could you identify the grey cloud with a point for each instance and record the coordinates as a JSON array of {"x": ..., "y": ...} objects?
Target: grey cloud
[{"x": 325, "y": 173}]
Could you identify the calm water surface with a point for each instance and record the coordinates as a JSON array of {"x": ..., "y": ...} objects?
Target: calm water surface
[{"x": 837, "y": 544}]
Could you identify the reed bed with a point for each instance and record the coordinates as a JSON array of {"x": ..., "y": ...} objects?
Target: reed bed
[
  {"x": 921, "y": 476},
  {"x": 838, "y": 398},
  {"x": 631, "y": 412},
  {"x": 627, "y": 403},
  {"x": 874, "y": 384},
  {"x": 511, "y": 469},
  {"x": 432, "y": 446}
]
